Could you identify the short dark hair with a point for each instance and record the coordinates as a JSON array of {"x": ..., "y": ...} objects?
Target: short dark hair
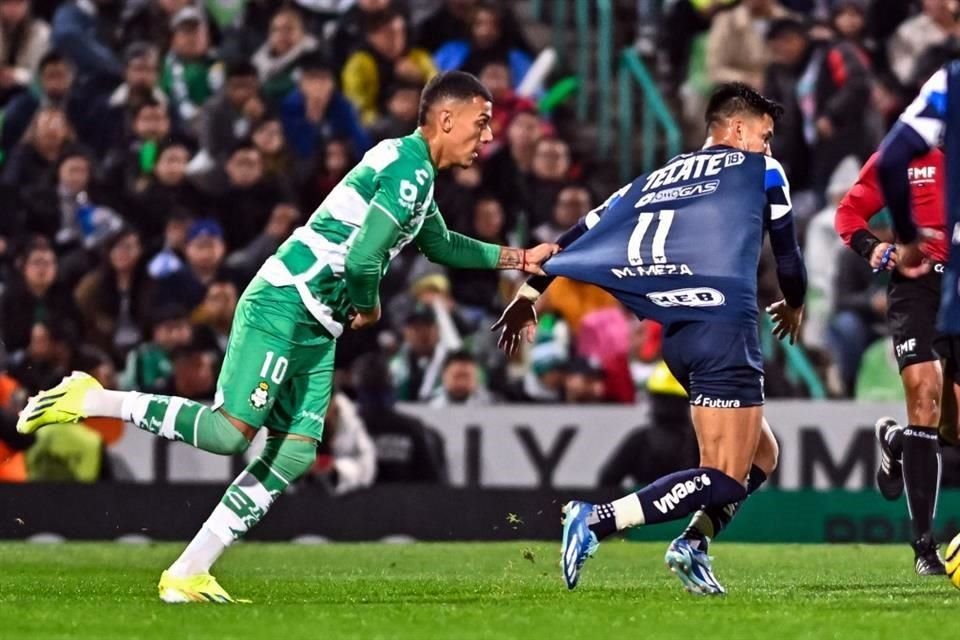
[
  {"x": 379, "y": 19},
  {"x": 148, "y": 102},
  {"x": 784, "y": 26},
  {"x": 736, "y": 97},
  {"x": 51, "y": 57},
  {"x": 240, "y": 69},
  {"x": 460, "y": 355},
  {"x": 456, "y": 85}
]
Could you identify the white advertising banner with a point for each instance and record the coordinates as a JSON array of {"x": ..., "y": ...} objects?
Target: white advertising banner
[{"x": 823, "y": 445}]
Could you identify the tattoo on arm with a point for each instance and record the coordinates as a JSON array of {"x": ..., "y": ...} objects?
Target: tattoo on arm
[{"x": 510, "y": 258}]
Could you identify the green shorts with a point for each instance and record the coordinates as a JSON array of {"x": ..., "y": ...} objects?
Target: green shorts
[{"x": 278, "y": 370}]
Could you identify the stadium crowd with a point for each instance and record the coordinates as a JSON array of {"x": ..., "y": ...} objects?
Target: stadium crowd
[{"x": 155, "y": 152}]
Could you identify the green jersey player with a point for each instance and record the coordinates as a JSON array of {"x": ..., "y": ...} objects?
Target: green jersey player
[{"x": 278, "y": 369}]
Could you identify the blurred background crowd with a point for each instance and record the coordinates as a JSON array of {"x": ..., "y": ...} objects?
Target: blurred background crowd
[{"x": 154, "y": 152}]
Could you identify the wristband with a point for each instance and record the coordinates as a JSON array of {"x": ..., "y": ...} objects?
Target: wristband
[{"x": 528, "y": 292}]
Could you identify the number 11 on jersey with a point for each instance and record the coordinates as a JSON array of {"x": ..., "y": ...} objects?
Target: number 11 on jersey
[{"x": 658, "y": 249}]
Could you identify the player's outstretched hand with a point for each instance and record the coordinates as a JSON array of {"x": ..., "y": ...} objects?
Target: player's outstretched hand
[
  {"x": 364, "y": 319},
  {"x": 518, "y": 318},
  {"x": 533, "y": 258},
  {"x": 786, "y": 320}
]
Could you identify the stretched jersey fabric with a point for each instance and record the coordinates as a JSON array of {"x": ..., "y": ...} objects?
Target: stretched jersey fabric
[
  {"x": 931, "y": 120},
  {"x": 336, "y": 260},
  {"x": 683, "y": 243}
]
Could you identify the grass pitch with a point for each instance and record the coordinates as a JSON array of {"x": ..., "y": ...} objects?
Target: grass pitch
[{"x": 464, "y": 591}]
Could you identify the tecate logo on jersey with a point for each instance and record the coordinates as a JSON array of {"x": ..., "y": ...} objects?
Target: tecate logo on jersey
[
  {"x": 678, "y": 193},
  {"x": 690, "y": 297},
  {"x": 693, "y": 167}
]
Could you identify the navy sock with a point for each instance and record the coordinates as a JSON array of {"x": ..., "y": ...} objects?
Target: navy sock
[
  {"x": 672, "y": 497},
  {"x": 921, "y": 476},
  {"x": 709, "y": 522}
]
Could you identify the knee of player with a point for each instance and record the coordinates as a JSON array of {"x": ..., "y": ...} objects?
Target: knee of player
[{"x": 924, "y": 403}]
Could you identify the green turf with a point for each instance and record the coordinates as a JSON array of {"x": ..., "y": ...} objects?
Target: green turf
[{"x": 509, "y": 590}]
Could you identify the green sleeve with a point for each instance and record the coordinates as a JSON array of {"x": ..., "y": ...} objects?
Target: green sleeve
[
  {"x": 452, "y": 249},
  {"x": 365, "y": 259}
]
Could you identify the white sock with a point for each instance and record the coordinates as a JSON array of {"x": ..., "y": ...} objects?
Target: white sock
[
  {"x": 628, "y": 512},
  {"x": 199, "y": 555},
  {"x": 103, "y": 403}
]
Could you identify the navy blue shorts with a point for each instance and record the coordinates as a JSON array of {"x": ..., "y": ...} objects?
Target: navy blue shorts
[{"x": 720, "y": 364}]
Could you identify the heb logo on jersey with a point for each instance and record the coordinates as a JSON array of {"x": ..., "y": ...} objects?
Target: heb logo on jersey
[
  {"x": 691, "y": 297},
  {"x": 678, "y": 193},
  {"x": 715, "y": 403},
  {"x": 681, "y": 490},
  {"x": 693, "y": 167}
]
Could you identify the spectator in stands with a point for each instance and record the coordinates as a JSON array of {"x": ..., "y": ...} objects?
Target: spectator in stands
[
  {"x": 495, "y": 76},
  {"x": 55, "y": 80},
  {"x": 170, "y": 258},
  {"x": 736, "y": 51},
  {"x": 849, "y": 20},
  {"x": 191, "y": 74},
  {"x": 450, "y": 21},
  {"x": 205, "y": 253},
  {"x": 932, "y": 27},
  {"x": 549, "y": 174},
  {"x": 507, "y": 171},
  {"x": 113, "y": 299},
  {"x": 416, "y": 368},
  {"x": 316, "y": 111},
  {"x": 33, "y": 294},
  {"x": 860, "y": 307},
  {"x": 149, "y": 367},
  {"x": 487, "y": 43},
  {"x": 400, "y": 118},
  {"x": 583, "y": 383},
  {"x": 821, "y": 253},
  {"x": 149, "y": 21},
  {"x": 195, "y": 368},
  {"x": 128, "y": 165},
  {"x": 683, "y": 23},
  {"x": 478, "y": 292},
  {"x": 277, "y": 59},
  {"x": 383, "y": 59},
  {"x": 245, "y": 197},
  {"x": 280, "y": 165},
  {"x": 230, "y": 115},
  {"x": 48, "y": 355},
  {"x": 162, "y": 192},
  {"x": 346, "y": 457},
  {"x": 830, "y": 106},
  {"x": 217, "y": 310},
  {"x": 13, "y": 398},
  {"x": 79, "y": 31},
  {"x": 407, "y": 449},
  {"x": 543, "y": 380},
  {"x": 666, "y": 445},
  {"x": 349, "y": 33},
  {"x": 330, "y": 166},
  {"x": 572, "y": 203},
  {"x": 461, "y": 383},
  {"x": 140, "y": 78},
  {"x": 33, "y": 162},
  {"x": 645, "y": 343},
  {"x": 23, "y": 41}
]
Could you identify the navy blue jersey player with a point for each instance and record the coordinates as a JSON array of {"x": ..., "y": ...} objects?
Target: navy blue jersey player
[
  {"x": 932, "y": 120},
  {"x": 682, "y": 246}
]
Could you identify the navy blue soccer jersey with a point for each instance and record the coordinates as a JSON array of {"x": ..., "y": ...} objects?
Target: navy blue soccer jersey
[
  {"x": 932, "y": 119},
  {"x": 683, "y": 243}
]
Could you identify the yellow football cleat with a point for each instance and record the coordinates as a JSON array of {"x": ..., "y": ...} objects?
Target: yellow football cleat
[
  {"x": 202, "y": 587},
  {"x": 59, "y": 405}
]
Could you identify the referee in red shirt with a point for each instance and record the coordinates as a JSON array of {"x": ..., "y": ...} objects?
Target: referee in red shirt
[{"x": 913, "y": 302}]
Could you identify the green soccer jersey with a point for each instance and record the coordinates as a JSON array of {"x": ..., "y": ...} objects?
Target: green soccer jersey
[{"x": 336, "y": 260}]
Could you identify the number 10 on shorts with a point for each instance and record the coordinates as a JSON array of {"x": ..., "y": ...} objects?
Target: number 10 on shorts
[{"x": 279, "y": 367}]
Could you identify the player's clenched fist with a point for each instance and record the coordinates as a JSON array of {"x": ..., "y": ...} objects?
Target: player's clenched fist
[
  {"x": 535, "y": 257},
  {"x": 364, "y": 319}
]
